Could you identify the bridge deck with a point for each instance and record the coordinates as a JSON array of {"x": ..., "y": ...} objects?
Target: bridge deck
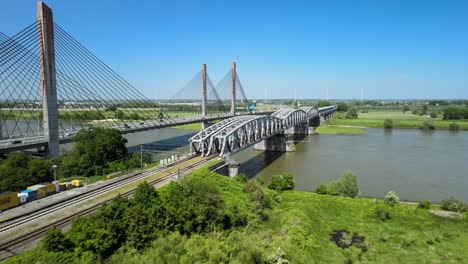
[{"x": 17, "y": 144}]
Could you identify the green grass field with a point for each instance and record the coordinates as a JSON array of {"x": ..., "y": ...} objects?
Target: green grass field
[
  {"x": 327, "y": 129},
  {"x": 305, "y": 221},
  {"x": 400, "y": 120}
]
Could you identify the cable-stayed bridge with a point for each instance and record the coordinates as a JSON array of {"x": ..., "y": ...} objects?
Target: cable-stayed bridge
[{"x": 51, "y": 86}]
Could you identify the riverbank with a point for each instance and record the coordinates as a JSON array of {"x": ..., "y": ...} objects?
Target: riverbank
[
  {"x": 340, "y": 130},
  {"x": 264, "y": 225},
  {"x": 376, "y": 119}
]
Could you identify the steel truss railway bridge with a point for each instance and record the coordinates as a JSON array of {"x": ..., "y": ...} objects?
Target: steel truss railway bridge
[
  {"x": 51, "y": 86},
  {"x": 236, "y": 133}
]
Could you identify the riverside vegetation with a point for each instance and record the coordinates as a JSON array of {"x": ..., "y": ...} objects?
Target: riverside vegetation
[
  {"x": 97, "y": 152},
  {"x": 208, "y": 218}
]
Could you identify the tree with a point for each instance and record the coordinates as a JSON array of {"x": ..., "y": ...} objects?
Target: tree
[
  {"x": 282, "y": 182},
  {"x": 100, "y": 146},
  {"x": 406, "y": 109},
  {"x": 388, "y": 123},
  {"x": 342, "y": 107},
  {"x": 391, "y": 198},
  {"x": 323, "y": 103},
  {"x": 146, "y": 195},
  {"x": 119, "y": 115},
  {"x": 433, "y": 114},
  {"x": 454, "y": 127},
  {"x": 427, "y": 125},
  {"x": 55, "y": 241},
  {"x": 348, "y": 186},
  {"x": 111, "y": 108},
  {"x": 352, "y": 113}
]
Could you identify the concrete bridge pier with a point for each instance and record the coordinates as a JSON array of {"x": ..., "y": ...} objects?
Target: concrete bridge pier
[
  {"x": 233, "y": 169},
  {"x": 279, "y": 142},
  {"x": 301, "y": 129}
]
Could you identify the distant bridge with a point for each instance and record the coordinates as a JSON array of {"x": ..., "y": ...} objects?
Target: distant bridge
[{"x": 236, "y": 133}]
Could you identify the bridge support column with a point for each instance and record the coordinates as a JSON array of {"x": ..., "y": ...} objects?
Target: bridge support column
[
  {"x": 233, "y": 169},
  {"x": 49, "y": 88},
  {"x": 279, "y": 142},
  {"x": 301, "y": 129},
  {"x": 233, "y": 89}
]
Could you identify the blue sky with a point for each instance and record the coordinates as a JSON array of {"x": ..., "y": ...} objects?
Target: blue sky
[{"x": 390, "y": 49}]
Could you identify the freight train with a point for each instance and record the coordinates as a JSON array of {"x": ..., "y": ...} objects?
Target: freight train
[{"x": 12, "y": 199}]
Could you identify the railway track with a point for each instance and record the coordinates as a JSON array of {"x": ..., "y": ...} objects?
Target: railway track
[{"x": 9, "y": 246}]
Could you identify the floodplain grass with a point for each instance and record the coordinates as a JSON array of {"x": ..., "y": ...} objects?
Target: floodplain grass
[
  {"x": 376, "y": 119},
  {"x": 340, "y": 130}
]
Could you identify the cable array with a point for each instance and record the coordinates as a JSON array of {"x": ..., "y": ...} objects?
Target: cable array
[
  {"x": 188, "y": 100},
  {"x": 20, "y": 84}
]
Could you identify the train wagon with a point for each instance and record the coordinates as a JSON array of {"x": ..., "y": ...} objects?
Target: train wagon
[
  {"x": 8, "y": 200},
  {"x": 49, "y": 188},
  {"x": 77, "y": 183},
  {"x": 31, "y": 195},
  {"x": 40, "y": 190}
]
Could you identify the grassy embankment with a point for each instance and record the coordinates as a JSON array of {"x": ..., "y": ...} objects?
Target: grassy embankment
[
  {"x": 340, "y": 130},
  {"x": 297, "y": 226},
  {"x": 376, "y": 119}
]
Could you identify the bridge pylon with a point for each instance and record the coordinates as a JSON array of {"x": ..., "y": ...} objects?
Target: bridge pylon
[
  {"x": 233, "y": 88},
  {"x": 203, "y": 98},
  {"x": 48, "y": 78}
]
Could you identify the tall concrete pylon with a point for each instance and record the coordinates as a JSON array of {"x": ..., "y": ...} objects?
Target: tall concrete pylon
[
  {"x": 203, "y": 100},
  {"x": 48, "y": 78},
  {"x": 233, "y": 89}
]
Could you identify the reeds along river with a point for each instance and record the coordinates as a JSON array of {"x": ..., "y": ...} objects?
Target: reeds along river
[{"x": 417, "y": 165}]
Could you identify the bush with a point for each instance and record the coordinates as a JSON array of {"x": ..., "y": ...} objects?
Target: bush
[
  {"x": 391, "y": 198},
  {"x": 406, "y": 109},
  {"x": 282, "y": 182},
  {"x": 433, "y": 114},
  {"x": 415, "y": 112},
  {"x": 342, "y": 107},
  {"x": 322, "y": 189},
  {"x": 382, "y": 213},
  {"x": 425, "y": 204},
  {"x": 55, "y": 241},
  {"x": 242, "y": 178},
  {"x": 427, "y": 125},
  {"x": 346, "y": 186},
  {"x": 454, "y": 127},
  {"x": 453, "y": 205},
  {"x": 388, "y": 123},
  {"x": 455, "y": 113},
  {"x": 352, "y": 113}
]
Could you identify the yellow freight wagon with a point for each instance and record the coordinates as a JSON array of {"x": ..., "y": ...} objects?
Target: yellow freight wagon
[
  {"x": 49, "y": 188},
  {"x": 77, "y": 183},
  {"x": 8, "y": 200}
]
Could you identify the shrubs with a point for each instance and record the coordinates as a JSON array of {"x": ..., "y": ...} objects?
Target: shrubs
[
  {"x": 406, "y": 109},
  {"x": 346, "y": 186},
  {"x": 391, "y": 198},
  {"x": 455, "y": 113},
  {"x": 282, "y": 182},
  {"x": 382, "y": 212},
  {"x": 453, "y": 205},
  {"x": 454, "y": 127},
  {"x": 433, "y": 114},
  {"x": 427, "y": 125},
  {"x": 321, "y": 189},
  {"x": 55, "y": 241},
  {"x": 425, "y": 204},
  {"x": 352, "y": 113},
  {"x": 388, "y": 123}
]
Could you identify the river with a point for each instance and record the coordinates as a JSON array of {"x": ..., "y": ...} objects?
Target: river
[{"x": 417, "y": 165}]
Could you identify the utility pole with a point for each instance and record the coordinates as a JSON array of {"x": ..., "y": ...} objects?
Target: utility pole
[
  {"x": 48, "y": 78},
  {"x": 141, "y": 157}
]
